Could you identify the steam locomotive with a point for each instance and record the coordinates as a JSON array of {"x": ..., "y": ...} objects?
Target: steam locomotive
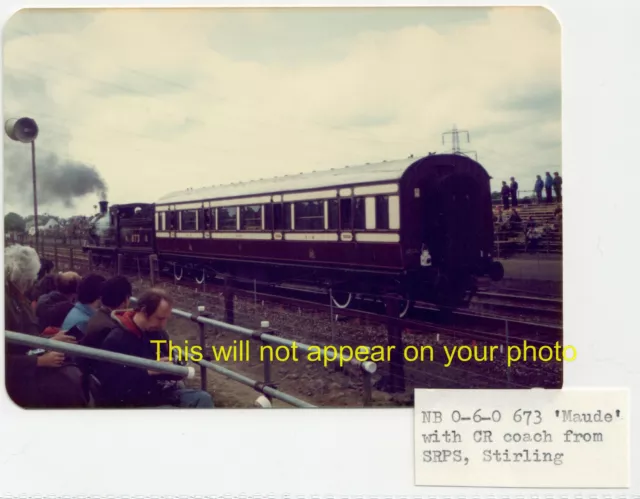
[{"x": 420, "y": 228}]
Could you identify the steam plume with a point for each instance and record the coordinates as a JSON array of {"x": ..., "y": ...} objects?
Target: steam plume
[{"x": 59, "y": 182}]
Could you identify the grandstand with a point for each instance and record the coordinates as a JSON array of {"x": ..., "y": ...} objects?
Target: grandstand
[{"x": 547, "y": 235}]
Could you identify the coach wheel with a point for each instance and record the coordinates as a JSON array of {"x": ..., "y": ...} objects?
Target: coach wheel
[
  {"x": 405, "y": 306},
  {"x": 341, "y": 299},
  {"x": 496, "y": 271},
  {"x": 201, "y": 280},
  {"x": 443, "y": 290},
  {"x": 175, "y": 274}
]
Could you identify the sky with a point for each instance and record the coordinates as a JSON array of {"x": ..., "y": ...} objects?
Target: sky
[{"x": 135, "y": 103}]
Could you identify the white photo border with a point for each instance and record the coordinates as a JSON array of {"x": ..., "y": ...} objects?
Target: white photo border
[{"x": 368, "y": 453}]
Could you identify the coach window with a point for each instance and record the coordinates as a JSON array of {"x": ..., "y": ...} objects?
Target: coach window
[
  {"x": 268, "y": 216},
  {"x": 309, "y": 215},
  {"x": 345, "y": 214},
  {"x": 173, "y": 220},
  {"x": 227, "y": 218},
  {"x": 188, "y": 220},
  {"x": 206, "y": 219},
  {"x": 382, "y": 212},
  {"x": 200, "y": 219},
  {"x": 359, "y": 214},
  {"x": 286, "y": 208},
  {"x": 278, "y": 217},
  {"x": 334, "y": 214},
  {"x": 251, "y": 217}
]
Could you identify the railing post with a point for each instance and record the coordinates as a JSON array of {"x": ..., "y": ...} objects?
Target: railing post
[
  {"x": 264, "y": 328},
  {"x": 366, "y": 386},
  {"x": 90, "y": 260},
  {"x": 153, "y": 259},
  {"x": 203, "y": 346},
  {"x": 55, "y": 257},
  {"x": 228, "y": 300},
  {"x": 331, "y": 312},
  {"x": 120, "y": 261},
  {"x": 255, "y": 298},
  {"x": 71, "y": 265},
  {"x": 394, "y": 333}
]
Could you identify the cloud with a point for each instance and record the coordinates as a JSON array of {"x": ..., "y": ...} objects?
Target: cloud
[{"x": 158, "y": 101}]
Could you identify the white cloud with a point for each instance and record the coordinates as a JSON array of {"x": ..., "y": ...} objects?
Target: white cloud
[{"x": 146, "y": 98}]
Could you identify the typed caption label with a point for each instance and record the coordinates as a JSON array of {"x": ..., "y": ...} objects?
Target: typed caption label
[{"x": 522, "y": 438}]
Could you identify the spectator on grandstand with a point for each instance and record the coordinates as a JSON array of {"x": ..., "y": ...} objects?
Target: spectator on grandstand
[
  {"x": 557, "y": 214},
  {"x": 88, "y": 302},
  {"x": 548, "y": 183},
  {"x": 538, "y": 188},
  {"x": 531, "y": 235},
  {"x": 557, "y": 186},
  {"x": 531, "y": 224},
  {"x": 513, "y": 187},
  {"x": 115, "y": 294},
  {"x": 515, "y": 222},
  {"x": 124, "y": 386},
  {"x": 34, "y": 378},
  {"x": 501, "y": 219},
  {"x": 505, "y": 192},
  {"x": 53, "y": 307}
]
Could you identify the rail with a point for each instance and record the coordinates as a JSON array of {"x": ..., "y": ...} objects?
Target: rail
[{"x": 115, "y": 357}]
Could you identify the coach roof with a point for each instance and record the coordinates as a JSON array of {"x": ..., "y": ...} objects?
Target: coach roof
[{"x": 351, "y": 175}]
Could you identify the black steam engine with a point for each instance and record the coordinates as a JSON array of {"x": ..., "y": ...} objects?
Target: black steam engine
[
  {"x": 419, "y": 228},
  {"x": 125, "y": 229}
]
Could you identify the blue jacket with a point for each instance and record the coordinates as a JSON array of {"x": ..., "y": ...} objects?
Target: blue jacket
[
  {"x": 548, "y": 181},
  {"x": 79, "y": 316},
  {"x": 539, "y": 185}
]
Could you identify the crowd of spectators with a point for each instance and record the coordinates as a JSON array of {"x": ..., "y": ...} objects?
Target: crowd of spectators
[
  {"x": 510, "y": 222},
  {"x": 509, "y": 193},
  {"x": 94, "y": 312}
]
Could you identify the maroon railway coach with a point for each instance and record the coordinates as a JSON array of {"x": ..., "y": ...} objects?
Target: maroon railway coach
[{"x": 418, "y": 227}]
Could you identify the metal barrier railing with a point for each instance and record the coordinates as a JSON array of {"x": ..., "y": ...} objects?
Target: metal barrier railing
[
  {"x": 367, "y": 367},
  {"x": 170, "y": 368},
  {"x": 98, "y": 354}
]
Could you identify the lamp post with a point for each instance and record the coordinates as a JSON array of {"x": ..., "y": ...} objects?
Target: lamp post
[{"x": 25, "y": 130}]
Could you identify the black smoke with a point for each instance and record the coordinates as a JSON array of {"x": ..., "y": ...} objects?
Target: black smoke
[{"x": 58, "y": 182}]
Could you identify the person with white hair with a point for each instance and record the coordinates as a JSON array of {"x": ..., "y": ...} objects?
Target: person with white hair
[{"x": 32, "y": 380}]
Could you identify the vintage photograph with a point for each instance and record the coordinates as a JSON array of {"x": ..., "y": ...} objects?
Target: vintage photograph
[{"x": 280, "y": 207}]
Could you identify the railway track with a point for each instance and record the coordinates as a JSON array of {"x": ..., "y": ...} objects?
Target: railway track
[
  {"x": 423, "y": 326},
  {"x": 534, "y": 319}
]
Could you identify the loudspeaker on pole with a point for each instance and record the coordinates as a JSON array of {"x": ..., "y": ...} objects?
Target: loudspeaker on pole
[{"x": 21, "y": 129}]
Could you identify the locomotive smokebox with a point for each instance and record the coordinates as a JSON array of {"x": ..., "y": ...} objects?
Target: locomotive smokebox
[
  {"x": 22, "y": 129},
  {"x": 103, "y": 206}
]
